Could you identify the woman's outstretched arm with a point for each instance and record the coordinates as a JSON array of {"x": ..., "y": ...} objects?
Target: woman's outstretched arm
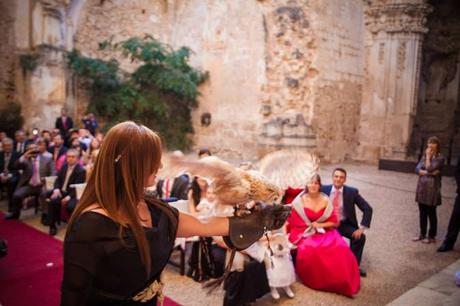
[{"x": 191, "y": 226}]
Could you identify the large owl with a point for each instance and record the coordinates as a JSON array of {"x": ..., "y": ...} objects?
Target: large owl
[{"x": 233, "y": 186}]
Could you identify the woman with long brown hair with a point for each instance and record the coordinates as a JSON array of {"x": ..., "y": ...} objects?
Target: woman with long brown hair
[{"x": 118, "y": 241}]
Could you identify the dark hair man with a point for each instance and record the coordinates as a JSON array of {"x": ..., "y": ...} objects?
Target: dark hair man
[{"x": 344, "y": 199}]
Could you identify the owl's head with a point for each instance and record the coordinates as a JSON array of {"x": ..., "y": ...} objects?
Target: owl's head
[{"x": 271, "y": 194}]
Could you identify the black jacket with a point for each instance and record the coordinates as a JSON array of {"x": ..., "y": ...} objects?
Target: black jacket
[
  {"x": 59, "y": 125},
  {"x": 351, "y": 197},
  {"x": 15, "y": 145},
  {"x": 11, "y": 165},
  {"x": 62, "y": 151},
  {"x": 179, "y": 188},
  {"x": 78, "y": 176}
]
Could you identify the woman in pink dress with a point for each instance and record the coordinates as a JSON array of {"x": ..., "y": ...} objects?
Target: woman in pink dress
[{"x": 324, "y": 261}]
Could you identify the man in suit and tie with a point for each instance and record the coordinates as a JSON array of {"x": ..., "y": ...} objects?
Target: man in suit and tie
[
  {"x": 57, "y": 149},
  {"x": 34, "y": 167},
  {"x": 62, "y": 194},
  {"x": 344, "y": 199},
  {"x": 64, "y": 122},
  {"x": 20, "y": 142},
  {"x": 9, "y": 176},
  {"x": 454, "y": 222},
  {"x": 174, "y": 187}
]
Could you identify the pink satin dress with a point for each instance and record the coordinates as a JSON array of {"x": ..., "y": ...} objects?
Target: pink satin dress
[{"x": 324, "y": 261}]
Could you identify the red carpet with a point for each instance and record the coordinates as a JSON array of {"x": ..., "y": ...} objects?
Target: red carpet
[{"x": 31, "y": 273}]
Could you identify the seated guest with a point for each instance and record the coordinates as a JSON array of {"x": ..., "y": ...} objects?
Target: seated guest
[
  {"x": 89, "y": 166},
  {"x": 345, "y": 198},
  {"x": 174, "y": 187},
  {"x": 323, "y": 260},
  {"x": 42, "y": 148},
  {"x": 247, "y": 280},
  {"x": 34, "y": 166},
  {"x": 2, "y": 136},
  {"x": 85, "y": 137},
  {"x": 93, "y": 146},
  {"x": 9, "y": 176},
  {"x": 20, "y": 142},
  {"x": 62, "y": 194},
  {"x": 197, "y": 191},
  {"x": 57, "y": 149}
]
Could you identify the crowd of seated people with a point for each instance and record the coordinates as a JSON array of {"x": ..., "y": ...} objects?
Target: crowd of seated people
[
  {"x": 322, "y": 215},
  {"x": 65, "y": 154},
  {"x": 69, "y": 154}
]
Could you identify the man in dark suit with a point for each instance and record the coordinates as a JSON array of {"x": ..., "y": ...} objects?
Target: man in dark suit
[
  {"x": 64, "y": 122},
  {"x": 174, "y": 187},
  {"x": 20, "y": 142},
  {"x": 454, "y": 222},
  {"x": 62, "y": 194},
  {"x": 9, "y": 176},
  {"x": 57, "y": 149},
  {"x": 35, "y": 166},
  {"x": 344, "y": 199}
]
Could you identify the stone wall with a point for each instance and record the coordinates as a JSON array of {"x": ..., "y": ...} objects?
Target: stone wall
[
  {"x": 283, "y": 73},
  {"x": 337, "y": 77},
  {"x": 314, "y": 72},
  {"x": 227, "y": 38},
  {"x": 41, "y": 84},
  {"x": 7, "y": 50}
]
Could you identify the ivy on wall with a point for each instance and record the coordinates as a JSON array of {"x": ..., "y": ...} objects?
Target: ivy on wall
[{"x": 160, "y": 93}]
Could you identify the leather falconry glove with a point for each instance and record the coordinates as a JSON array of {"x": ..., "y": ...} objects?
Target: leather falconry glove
[{"x": 247, "y": 229}]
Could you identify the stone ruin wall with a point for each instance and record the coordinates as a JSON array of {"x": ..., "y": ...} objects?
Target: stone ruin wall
[
  {"x": 315, "y": 70},
  {"x": 7, "y": 48},
  {"x": 283, "y": 73}
]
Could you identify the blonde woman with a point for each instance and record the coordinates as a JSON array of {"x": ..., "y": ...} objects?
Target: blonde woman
[{"x": 118, "y": 241}]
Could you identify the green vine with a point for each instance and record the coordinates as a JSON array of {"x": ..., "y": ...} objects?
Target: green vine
[{"x": 160, "y": 93}]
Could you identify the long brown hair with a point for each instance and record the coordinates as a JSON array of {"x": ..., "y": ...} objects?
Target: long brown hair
[{"x": 129, "y": 154}]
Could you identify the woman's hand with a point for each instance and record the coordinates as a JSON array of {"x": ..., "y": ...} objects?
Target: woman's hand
[
  {"x": 316, "y": 225},
  {"x": 422, "y": 172},
  {"x": 429, "y": 153}
]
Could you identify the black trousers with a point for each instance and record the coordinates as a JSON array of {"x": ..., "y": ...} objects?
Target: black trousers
[
  {"x": 356, "y": 245},
  {"x": 10, "y": 186},
  {"x": 428, "y": 212},
  {"x": 20, "y": 194},
  {"x": 54, "y": 207},
  {"x": 454, "y": 224}
]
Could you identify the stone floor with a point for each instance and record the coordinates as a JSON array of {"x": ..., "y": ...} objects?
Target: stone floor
[{"x": 400, "y": 271}]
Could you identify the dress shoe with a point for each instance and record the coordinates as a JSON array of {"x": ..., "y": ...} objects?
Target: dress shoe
[
  {"x": 11, "y": 216},
  {"x": 44, "y": 220},
  {"x": 445, "y": 248},
  {"x": 53, "y": 230},
  {"x": 418, "y": 238},
  {"x": 362, "y": 272}
]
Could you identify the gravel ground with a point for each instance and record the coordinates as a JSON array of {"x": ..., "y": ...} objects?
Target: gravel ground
[{"x": 393, "y": 262}]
